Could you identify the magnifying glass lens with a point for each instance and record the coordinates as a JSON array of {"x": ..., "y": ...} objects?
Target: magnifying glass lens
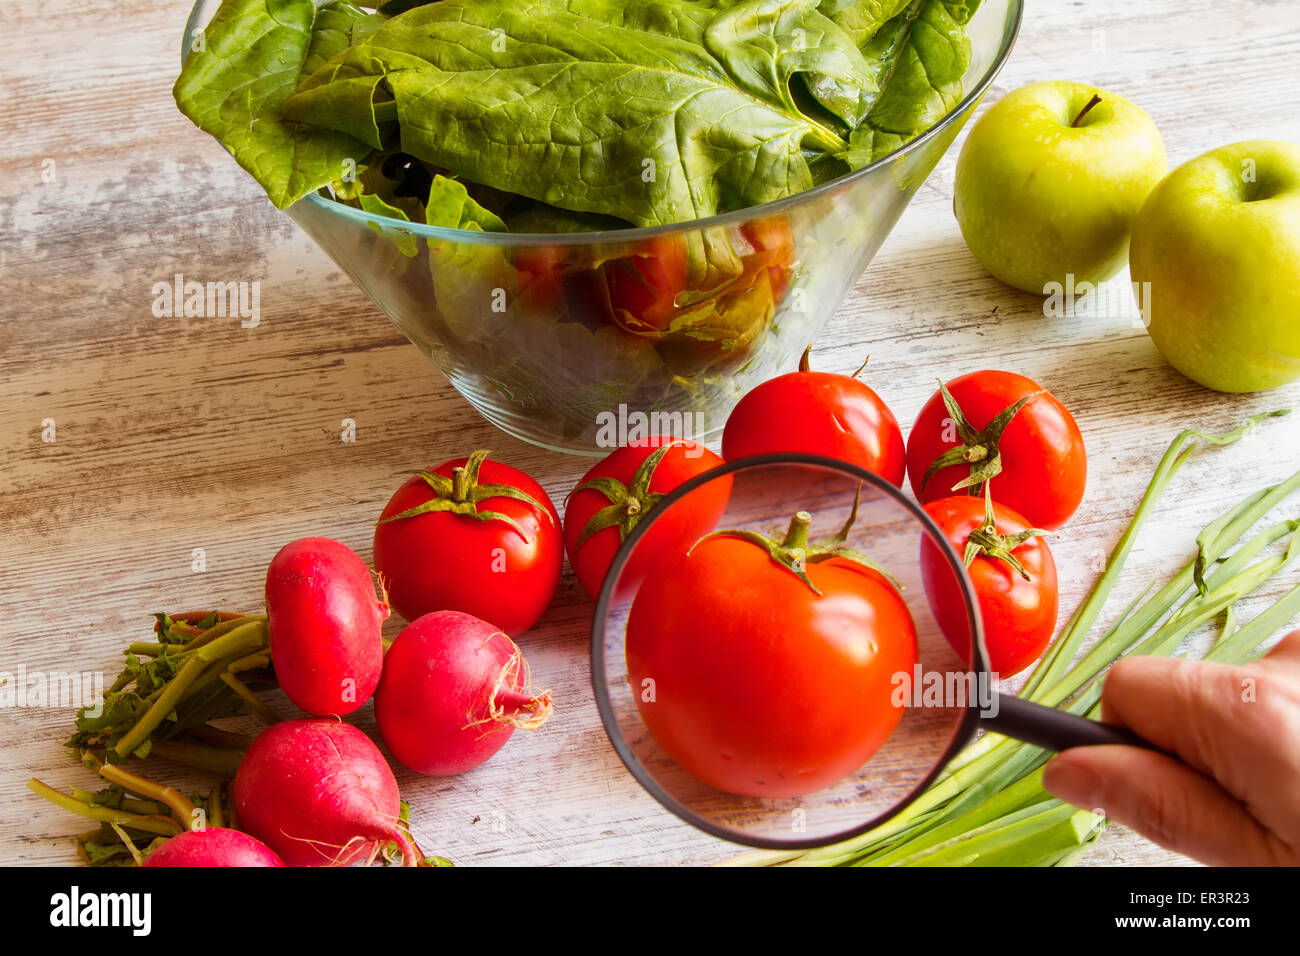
[{"x": 767, "y": 657}]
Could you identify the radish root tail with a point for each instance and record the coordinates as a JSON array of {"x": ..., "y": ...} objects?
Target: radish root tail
[{"x": 512, "y": 700}]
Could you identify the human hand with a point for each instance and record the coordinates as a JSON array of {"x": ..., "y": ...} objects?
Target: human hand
[{"x": 1233, "y": 796}]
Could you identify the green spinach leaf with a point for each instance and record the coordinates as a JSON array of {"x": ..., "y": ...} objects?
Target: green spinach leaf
[
  {"x": 766, "y": 44},
  {"x": 547, "y": 99},
  {"x": 860, "y": 19},
  {"x": 338, "y": 25},
  {"x": 921, "y": 56},
  {"x": 233, "y": 88},
  {"x": 451, "y": 206}
]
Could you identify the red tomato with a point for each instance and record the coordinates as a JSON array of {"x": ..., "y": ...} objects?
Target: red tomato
[
  {"x": 540, "y": 273},
  {"x": 1044, "y": 467},
  {"x": 615, "y": 495},
  {"x": 773, "y": 242},
  {"x": 483, "y": 538},
  {"x": 1018, "y": 612},
  {"x": 760, "y": 685},
  {"x": 643, "y": 288},
  {"x": 817, "y": 413}
]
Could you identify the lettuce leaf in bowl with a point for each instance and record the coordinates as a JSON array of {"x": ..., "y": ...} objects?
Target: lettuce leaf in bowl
[
  {"x": 921, "y": 56},
  {"x": 645, "y": 113},
  {"x": 235, "y": 83},
  {"x": 548, "y": 99}
]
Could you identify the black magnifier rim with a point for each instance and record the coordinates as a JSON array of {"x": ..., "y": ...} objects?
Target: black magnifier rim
[{"x": 966, "y": 727}]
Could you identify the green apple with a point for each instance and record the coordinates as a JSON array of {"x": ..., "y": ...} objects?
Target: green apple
[
  {"x": 1219, "y": 242},
  {"x": 1050, "y": 180}
]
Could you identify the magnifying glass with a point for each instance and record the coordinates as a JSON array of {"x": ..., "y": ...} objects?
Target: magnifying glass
[{"x": 786, "y": 652}]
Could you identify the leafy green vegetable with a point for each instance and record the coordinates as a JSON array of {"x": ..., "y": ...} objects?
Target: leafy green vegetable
[
  {"x": 921, "y": 56},
  {"x": 172, "y": 685},
  {"x": 644, "y": 113},
  {"x": 234, "y": 86},
  {"x": 338, "y": 25},
  {"x": 404, "y": 239},
  {"x": 767, "y": 44},
  {"x": 451, "y": 206},
  {"x": 543, "y": 99},
  {"x": 860, "y": 19}
]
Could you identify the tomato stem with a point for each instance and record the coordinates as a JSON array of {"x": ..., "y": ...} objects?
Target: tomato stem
[
  {"x": 794, "y": 552},
  {"x": 986, "y": 540},
  {"x": 459, "y": 489},
  {"x": 796, "y": 536}
]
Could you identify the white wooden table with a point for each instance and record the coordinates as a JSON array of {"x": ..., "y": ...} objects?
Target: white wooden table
[{"x": 178, "y": 434}]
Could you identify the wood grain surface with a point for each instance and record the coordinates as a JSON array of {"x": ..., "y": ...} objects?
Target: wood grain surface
[{"x": 177, "y": 434}]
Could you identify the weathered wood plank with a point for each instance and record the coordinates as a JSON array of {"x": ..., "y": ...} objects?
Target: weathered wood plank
[{"x": 181, "y": 434}]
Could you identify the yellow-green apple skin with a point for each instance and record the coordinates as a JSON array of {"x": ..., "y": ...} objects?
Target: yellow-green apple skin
[
  {"x": 1219, "y": 242},
  {"x": 1038, "y": 198}
]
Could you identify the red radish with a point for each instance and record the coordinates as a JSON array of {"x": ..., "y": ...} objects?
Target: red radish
[
  {"x": 325, "y": 622},
  {"x": 319, "y": 793},
  {"x": 213, "y": 846},
  {"x": 454, "y": 690}
]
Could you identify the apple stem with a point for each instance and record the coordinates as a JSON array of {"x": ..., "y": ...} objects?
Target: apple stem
[{"x": 1086, "y": 110}]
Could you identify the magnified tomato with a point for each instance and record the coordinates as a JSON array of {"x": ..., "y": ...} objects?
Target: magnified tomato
[{"x": 765, "y": 669}]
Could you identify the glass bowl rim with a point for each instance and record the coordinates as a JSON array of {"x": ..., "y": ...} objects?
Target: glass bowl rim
[
  {"x": 963, "y": 730},
  {"x": 1011, "y": 30}
]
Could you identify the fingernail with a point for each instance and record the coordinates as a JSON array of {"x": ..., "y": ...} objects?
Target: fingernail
[{"x": 1072, "y": 781}]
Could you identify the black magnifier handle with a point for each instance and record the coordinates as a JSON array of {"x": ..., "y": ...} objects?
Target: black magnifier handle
[{"x": 1054, "y": 729}]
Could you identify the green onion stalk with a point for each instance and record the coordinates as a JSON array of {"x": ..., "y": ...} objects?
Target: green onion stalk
[{"x": 989, "y": 808}]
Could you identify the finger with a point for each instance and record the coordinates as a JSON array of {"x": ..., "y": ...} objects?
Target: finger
[
  {"x": 1165, "y": 801},
  {"x": 1183, "y": 707},
  {"x": 1285, "y": 651}
]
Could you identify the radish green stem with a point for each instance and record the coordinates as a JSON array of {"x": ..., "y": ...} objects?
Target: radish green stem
[
  {"x": 163, "y": 826},
  {"x": 219, "y": 760},
  {"x": 180, "y": 805},
  {"x": 238, "y": 641},
  {"x": 216, "y": 816},
  {"x": 253, "y": 701},
  {"x": 222, "y": 738},
  {"x": 223, "y": 628},
  {"x": 126, "y": 841}
]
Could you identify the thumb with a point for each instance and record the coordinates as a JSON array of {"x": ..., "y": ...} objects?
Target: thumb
[{"x": 1166, "y": 801}]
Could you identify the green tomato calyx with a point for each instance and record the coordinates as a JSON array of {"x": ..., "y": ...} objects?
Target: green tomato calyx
[
  {"x": 794, "y": 552},
  {"x": 978, "y": 448},
  {"x": 461, "y": 494},
  {"x": 627, "y": 503},
  {"x": 986, "y": 540}
]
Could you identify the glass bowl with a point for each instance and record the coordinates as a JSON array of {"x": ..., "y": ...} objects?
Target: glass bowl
[{"x": 522, "y": 326}]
